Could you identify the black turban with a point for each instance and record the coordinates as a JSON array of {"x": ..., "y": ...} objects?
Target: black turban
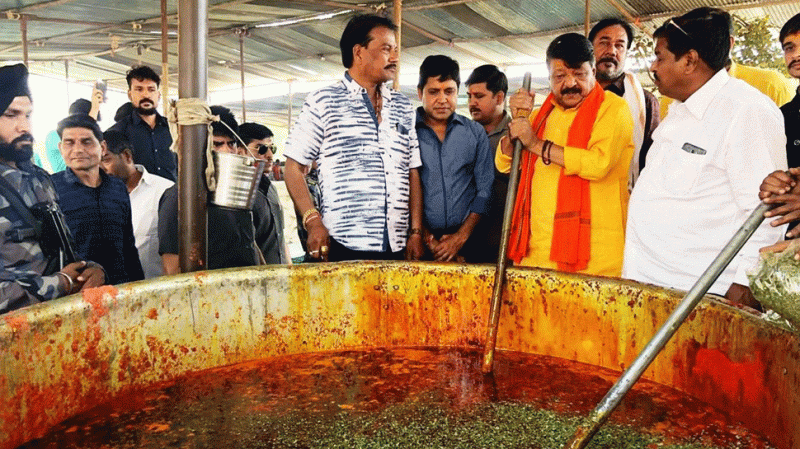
[{"x": 13, "y": 83}]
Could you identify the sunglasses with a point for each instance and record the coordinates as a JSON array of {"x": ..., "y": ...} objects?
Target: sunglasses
[
  {"x": 675, "y": 24},
  {"x": 262, "y": 149}
]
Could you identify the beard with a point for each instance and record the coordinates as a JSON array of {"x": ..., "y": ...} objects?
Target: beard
[
  {"x": 19, "y": 150},
  {"x": 610, "y": 74},
  {"x": 149, "y": 110}
]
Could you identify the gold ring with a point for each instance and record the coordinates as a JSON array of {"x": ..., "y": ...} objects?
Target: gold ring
[{"x": 323, "y": 249}]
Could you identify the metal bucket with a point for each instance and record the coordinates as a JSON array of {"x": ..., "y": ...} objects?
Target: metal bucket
[
  {"x": 237, "y": 180},
  {"x": 60, "y": 358}
]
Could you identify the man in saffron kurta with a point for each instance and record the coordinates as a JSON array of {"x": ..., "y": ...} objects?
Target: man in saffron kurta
[{"x": 573, "y": 186}]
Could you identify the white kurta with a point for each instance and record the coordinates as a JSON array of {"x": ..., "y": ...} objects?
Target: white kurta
[{"x": 687, "y": 205}]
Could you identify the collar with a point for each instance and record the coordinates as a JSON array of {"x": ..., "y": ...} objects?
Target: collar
[
  {"x": 6, "y": 169},
  {"x": 357, "y": 89},
  {"x": 137, "y": 119},
  {"x": 733, "y": 70},
  {"x": 72, "y": 178},
  {"x": 501, "y": 126},
  {"x": 146, "y": 176},
  {"x": 700, "y": 100},
  {"x": 454, "y": 117},
  {"x": 796, "y": 100},
  {"x": 617, "y": 86},
  {"x": 26, "y": 166},
  {"x": 562, "y": 108}
]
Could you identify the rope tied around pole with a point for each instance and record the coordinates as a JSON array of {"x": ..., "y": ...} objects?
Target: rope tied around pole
[{"x": 194, "y": 111}]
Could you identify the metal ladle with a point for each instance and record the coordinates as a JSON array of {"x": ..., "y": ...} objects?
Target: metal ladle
[
  {"x": 502, "y": 259},
  {"x": 589, "y": 427}
]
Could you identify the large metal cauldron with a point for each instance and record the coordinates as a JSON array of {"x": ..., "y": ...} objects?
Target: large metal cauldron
[{"x": 64, "y": 357}]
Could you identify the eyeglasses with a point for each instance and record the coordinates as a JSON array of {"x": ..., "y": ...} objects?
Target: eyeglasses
[
  {"x": 262, "y": 149},
  {"x": 675, "y": 24},
  {"x": 229, "y": 143}
]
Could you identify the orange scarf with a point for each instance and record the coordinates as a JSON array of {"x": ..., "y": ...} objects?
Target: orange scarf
[{"x": 572, "y": 221}]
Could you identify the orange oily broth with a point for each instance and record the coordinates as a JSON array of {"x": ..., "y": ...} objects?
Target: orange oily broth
[{"x": 373, "y": 398}]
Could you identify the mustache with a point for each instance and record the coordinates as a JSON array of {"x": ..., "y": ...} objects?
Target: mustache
[
  {"x": 19, "y": 149},
  {"x": 24, "y": 137},
  {"x": 608, "y": 59},
  {"x": 793, "y": 63},
  {"x": 391, "y": 66},
  {"x": 571, "y": 90}
]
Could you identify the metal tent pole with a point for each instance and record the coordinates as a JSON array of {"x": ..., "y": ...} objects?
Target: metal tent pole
[
  {"x": 192, "y": 83},
  {"x": 398, "y": 20},
  {"x": 66, "y": 81},
  {"x": 587, "y": 19},
  {"x": 164, "y": 56},
  {"x": 242, "y": 32},
  {"x": 23, "y": 28}
]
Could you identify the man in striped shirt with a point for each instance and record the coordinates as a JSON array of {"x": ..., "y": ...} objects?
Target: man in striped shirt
[{"x": 361, "y": 134}]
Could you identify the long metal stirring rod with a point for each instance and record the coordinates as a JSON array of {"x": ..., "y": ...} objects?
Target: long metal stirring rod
[
  {"x": 502, "y": 259},
  {"x": 584, "y": 433}
]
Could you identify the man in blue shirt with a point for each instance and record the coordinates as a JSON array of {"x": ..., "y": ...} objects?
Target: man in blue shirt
[
  {"x": 457, "y": 165},
  {"x": 145, "y": 128},
  {"x": 96, "y": 206}
]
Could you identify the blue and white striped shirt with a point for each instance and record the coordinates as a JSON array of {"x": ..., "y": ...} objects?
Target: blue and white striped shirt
[{"x": 363, "y": 167}]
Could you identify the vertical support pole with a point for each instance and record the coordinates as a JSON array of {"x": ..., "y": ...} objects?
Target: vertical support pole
[
  {"x": 164, "y": 57},
  {"x": 587, "y": 18},
  {"x": 241, "y": 34},
  {"x": 23, "y": 28},
  {"x": 66, "y": 80},
  {"x": 192, "y": 83},
  {"x": 398, "y": 20}
]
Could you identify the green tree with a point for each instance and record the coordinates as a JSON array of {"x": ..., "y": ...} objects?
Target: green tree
[{"x": 756, "y": 43}]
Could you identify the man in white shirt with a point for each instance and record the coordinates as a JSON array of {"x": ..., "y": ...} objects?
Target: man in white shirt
[
  {"x": 718, "y": 141},
  {"x": 145, "y": 190}
]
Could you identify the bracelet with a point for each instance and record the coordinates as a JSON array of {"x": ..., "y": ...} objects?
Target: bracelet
[
  {"x": 309, "y": 212},
  {"x": 415, "y": 231},
  {"x": 546, "y": 152},
  {"x": 310, "y": 215},
  {"x": 70, "y": 282}
]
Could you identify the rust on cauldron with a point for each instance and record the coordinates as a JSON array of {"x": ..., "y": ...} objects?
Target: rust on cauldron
[{"x": 74, "y": 353}]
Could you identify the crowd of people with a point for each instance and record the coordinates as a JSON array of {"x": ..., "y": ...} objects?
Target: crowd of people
[{"x": 609, "y": 184}]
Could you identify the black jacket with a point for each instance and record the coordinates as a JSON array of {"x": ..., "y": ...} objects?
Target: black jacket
[{"x": 791, "y": 121}]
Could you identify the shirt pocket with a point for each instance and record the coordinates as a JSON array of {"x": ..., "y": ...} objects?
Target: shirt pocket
[
  {"x": 680, "y": 172},
  {"x": 398, "y": 147}
]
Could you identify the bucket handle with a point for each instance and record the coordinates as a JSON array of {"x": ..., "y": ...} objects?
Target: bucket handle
[{"x": 194, "y": 111}]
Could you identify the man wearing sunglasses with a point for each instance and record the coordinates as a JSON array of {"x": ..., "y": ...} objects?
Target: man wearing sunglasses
[
  {"x": 259, "y": 141},
  {"x": 235, "y": 236},
  {"x": 770, "y": 82},
  {"x": 707, "y": 160}
]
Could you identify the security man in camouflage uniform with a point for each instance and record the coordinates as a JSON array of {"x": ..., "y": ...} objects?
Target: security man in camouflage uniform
[{"x": 30, "y": 253}]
